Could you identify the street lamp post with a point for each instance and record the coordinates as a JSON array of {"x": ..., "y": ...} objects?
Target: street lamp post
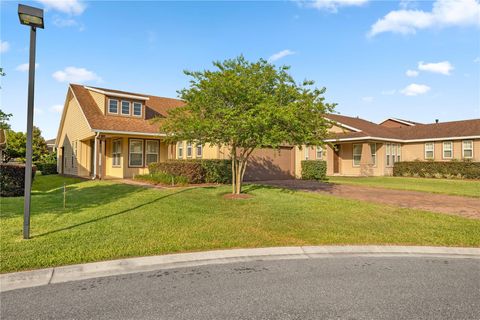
[{"x": 32, "y": 17}]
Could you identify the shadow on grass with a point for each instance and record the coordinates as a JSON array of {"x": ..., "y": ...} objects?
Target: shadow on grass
[{"x": 111, "y": 215}]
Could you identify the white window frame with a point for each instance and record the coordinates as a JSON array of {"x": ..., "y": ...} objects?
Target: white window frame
[
  {"x": 129, "y": 108},
  {"x": 133, "y": 109},
  {"x": 433, "y": 150},
  {"x": 444, "y": 149},
  {"x": 130, "y": 153},
  {"x": 373, "y": 154},
  {"x": 306, "y": 153},
  {"x": 399, "y": 152},
  {"x": 117, "y": 154},
  {"x": 149, "y": 153},
  {"x": 199, "y": 147},
  {"x": 354, "y": 154},
  {"x": 108, "y": 106},
  {"x": 388, "y": 148},
  {"x": 180, "y": 150},
  {"x": 317, "y": 151},
  {"x": 464, "y": 149},
  {"x": 189, "y": 151}
]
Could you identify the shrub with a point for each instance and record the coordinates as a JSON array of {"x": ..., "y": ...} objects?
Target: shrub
[
  {"x": 314, "y": 170},
  {"x": 458, "y": 169},
  {"x": 12, "y": 179},
  {"x": 47, "y": 168},
  {"x": 162, "y": 178},
  {"x": 195, "y": 171}
]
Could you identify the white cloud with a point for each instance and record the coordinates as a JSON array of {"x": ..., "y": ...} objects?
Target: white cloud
[
  {"x": 331, "y": 5},
  {"x": 367, "y": 99},
  {"x": 75, "y": 7},
  {"x": 443, "y": 67},
  {"x": 280, "y": 55},
  {"x": 415, "y": 89},
  {"x": 24, "y": 67},
  {"x": 61, "y": 23},
  {"x": 444, "y": 13},
  {"x": 74, "y": 74},
  {"x": 58, "y": 108},
  {"x": 4, "y": 46},
  {"x": 388, "y": 92},
  {"x": 38, "y": 111},
  {"x": 411, "y": 73},
  {"x": 476, "y": 60}
]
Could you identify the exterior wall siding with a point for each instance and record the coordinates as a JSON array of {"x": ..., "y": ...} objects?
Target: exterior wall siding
[
  {"x": 416, "y": 151},
  {"x": 75, "y": 129}
]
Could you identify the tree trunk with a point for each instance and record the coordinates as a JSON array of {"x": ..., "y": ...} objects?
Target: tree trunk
[
  {"x": 234, "y": 165},
  {"x": 239, "y": 165}
]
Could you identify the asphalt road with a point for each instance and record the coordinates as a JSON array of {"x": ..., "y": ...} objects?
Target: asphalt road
[{"x": 326, "y": 288}]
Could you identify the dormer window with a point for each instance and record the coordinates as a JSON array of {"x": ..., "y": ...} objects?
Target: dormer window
[
  {"x": 137, "y": 109},
  {"x": 125, "y": 108},
  {"x": 112, "y": 106}
]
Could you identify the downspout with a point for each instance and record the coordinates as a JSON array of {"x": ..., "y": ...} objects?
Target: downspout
[{"x": 95, "y": 156}]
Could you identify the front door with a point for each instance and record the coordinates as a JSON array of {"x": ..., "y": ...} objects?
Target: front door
[{"x": 336, "y": 159}]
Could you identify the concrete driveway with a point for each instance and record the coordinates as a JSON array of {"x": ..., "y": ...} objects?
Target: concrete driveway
[
  {"x": 457, "y": 205},
  {"x": 342, "y": 287}
]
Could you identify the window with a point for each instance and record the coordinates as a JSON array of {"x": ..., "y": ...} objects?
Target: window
[
  {"x": 151, "y": 151},
  {"x": 180, "y": 150},
  {"x": 112, "y": 106},
  {"x": 137, "y": 109},
  {"x": 199, "y": 151},
  {"x": 467, "y": 149},
  {"x": 189, "y": 149},
  {"x": 357, "y": 154},
  {"x": 135, "y": 153},
  {"x": 116, "y": 152},
  {"x": 306, "y": 153},
  {"x": 319, "y": 152},
  {"x": 126, "y": 108},
  {"x": 429, "y": 150},
  {"x": 393, "y": 153},
  {"x": 447, "y": 150},
  {"x": 373, "y": 150}
]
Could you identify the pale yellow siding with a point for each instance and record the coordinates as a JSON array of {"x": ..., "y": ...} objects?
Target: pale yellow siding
[
  {"x": 99, "y": 100},
  {"x": 75, "y": 129},
  {"x": 416, "y": 151}
]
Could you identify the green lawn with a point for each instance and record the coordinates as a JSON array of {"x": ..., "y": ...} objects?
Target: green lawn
[
  {"x": 470, "y": 188},
  {"x": 106, "y": 220}
]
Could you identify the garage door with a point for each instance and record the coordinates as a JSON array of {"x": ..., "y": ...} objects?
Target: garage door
[{"x": 270, "y": 164}]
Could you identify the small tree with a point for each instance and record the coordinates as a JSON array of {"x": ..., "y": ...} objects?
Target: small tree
[
  {"x": 245, "y": 106},
  {"x": 16, "y": 146}
]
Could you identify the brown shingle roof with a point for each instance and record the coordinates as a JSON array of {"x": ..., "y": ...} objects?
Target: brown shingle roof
[
  {"x": 99, "y": 121},
  {"x": 452, "y": 129}
]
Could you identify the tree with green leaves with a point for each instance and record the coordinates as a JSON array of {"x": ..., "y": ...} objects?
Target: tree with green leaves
[
  {"x": 245, "y": 106},
  {"x": 4, "y": 118},
  {"x": 16, "y": 146}
]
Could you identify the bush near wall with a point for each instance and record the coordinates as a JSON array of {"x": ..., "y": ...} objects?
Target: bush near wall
[
  {"x": 162, "y": 178},
  {"x": 195, "y": 171},
  {"x": 12, "y": 179},
  {"x": 46, "y": 168},
  {"x": 314, "y": 170},
  {"x": 437, "y": 169}
]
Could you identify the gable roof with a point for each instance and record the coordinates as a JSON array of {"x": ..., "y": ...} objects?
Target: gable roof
[
  {"x": 401, "y": 121},
  {"x": 105, "y": 122},
  {"x": 370, "y": 130}
]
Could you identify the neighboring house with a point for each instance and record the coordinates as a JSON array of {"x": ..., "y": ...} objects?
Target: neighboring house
[
  {"x": 51, "y": 145},
  {"x": 108, "y": 133}
]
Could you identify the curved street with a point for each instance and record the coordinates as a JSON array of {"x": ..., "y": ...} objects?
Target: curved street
[{"x": 342, "y": 287}]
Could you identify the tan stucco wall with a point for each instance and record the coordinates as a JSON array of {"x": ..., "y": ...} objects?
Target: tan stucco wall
[
  {"x": 75, "y": 129},
  {"x": 416, "y": 151}
]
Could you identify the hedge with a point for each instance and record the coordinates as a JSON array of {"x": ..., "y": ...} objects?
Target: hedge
[
  {"x": 162, "y": 178},
  {"x": 314, "y": 170},
  {"x": 437, "y": 169},
  {"x": 195, "y": 171},
  {"x": 12, "y": 179},
  {"x": 46, "y": 168}
]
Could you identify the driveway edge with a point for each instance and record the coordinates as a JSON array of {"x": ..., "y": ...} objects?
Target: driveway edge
[{"x": 26, "y": 279}]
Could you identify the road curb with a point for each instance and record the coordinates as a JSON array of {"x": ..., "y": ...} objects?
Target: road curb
[{"x": 26, "y": 279}]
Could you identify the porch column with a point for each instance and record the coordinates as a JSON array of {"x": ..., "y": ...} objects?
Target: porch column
[{"x": 366, "y": 161}]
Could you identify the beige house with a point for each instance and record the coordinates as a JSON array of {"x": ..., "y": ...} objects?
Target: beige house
[{"x": 108, "y": 133}]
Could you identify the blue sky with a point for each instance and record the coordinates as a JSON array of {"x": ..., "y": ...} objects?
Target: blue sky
[{"x": 360, "y": 50}]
